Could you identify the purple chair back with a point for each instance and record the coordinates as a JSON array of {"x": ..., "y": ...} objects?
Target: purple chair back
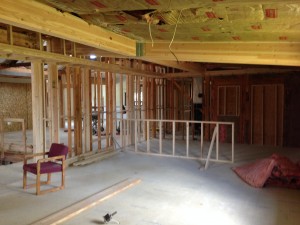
[{"x": 57, "y": 150}]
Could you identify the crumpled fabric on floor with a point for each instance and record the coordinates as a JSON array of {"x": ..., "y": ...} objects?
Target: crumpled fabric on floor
[{"x": 273, "y": 171}]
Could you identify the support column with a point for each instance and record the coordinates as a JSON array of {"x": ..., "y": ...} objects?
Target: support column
[
  {"x": 99, "y": 108},
  {"x": 122, "y": 113},
  {"x": 86, "y": 76},
  {"x": 53, "y": 102},
  {"x": 37, "y": 87},
  {"x": 113, "y": 106},
  {"x": 144, "y": 107},
  {"x": 77, "y": 111},
  {"x": 69, "y": 110}
]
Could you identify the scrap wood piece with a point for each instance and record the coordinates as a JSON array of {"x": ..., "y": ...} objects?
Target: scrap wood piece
[
  {"x": 95, "y": 157},
  {"x": 85, "y": 204}
]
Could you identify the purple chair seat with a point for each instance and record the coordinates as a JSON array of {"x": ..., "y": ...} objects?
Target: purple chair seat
[
  {"x": 46, "y": 167},
  {"x": 52, "y": 162}
]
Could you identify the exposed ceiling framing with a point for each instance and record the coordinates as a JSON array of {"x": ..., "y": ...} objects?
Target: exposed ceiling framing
[{"x": 184, "y": 35}]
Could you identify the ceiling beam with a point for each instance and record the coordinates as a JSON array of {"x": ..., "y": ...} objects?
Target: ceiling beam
[
  {"x": 251, "y": 71},
  {"x": 41, "y": 18},
  {"x": 185, "y": 66},
  {"x": 17, "y": 72},
  {"x": 283, "y": 53},
  {"x": 233, "y": 72},
  {"x": 184, "y": 74},
  {"x": 26, "y": 54}
]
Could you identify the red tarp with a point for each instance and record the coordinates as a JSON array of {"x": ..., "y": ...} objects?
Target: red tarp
[{"x": 276, "y": 171}]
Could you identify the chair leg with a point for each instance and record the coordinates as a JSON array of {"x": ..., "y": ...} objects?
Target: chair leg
[
  {"x": 24, "y": 179},
  {"x": 48, "y": 178},
  {"x": 38, "y": 183},
  {"x": 63, "y": 179}
]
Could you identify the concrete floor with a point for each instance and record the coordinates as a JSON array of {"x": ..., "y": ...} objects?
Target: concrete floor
[{"x": 173, "y": 191}]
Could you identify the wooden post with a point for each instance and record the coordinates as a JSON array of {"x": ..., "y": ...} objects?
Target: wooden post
[
  {"x": 107, "y": 98},
  {"x": 53, "y": 102},
  {"x": 37, "y": 84},
  {"x": 138, "y": 107},
  {"x": 99, "y": 111},
  {"x": 130, "y": 104},
  {"x": 2, "y": 137},
  {"x": 113, "y": 106},
  {"x": 131, "y": 108},
  {"x": 86, "y": 98},
  {"x": 108, "y": 109},
  {"x": 61, "y": 100},
  {"x": 206, "y": 106},
  {"x": 69, "y": 112},
  {"x": 153, "y": 106},
  {"x": 121, "y": 109},
  {"x": 144, "y": 107},
  {"x": 77, "y": 112},
  {"x": 39, "y": 41}
]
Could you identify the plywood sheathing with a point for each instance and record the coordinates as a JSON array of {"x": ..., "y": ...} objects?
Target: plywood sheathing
[
  {"x": 199, "y": 21},
  {"x": 16, "y": 102}
]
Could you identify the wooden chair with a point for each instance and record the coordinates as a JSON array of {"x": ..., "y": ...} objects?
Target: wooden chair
[{"x": 55, "y": 162}]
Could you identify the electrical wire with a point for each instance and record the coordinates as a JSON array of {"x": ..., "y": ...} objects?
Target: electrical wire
[
  {"x": 150, "y": 33},
  {"x": 174, "y": 36}
]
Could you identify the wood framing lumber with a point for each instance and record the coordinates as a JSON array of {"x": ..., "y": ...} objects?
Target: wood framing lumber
[
  {"x": 53, "y": 102},
  {"x": 2, "y": 138},
  {"x": 85, "y": 204},
  {"x": 14, "y": 147},
  {"x": 38, "y": 17},
  {"x": 37, "y": 86},
  {"x": 185, "y": 66},
  {"x": 95, "y": 157},
  {"x": 70, "y": 161},
  {"x": 69, "y": 110},
  {"x": 99, "y": 109},
  {"x": 280, "y": 53},
  {"x": 27, "y": 54}
]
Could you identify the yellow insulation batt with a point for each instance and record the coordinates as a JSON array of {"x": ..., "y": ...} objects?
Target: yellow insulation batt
[{"x": 196, "y": 21}]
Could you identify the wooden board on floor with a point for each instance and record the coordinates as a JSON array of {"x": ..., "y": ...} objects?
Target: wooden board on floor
[
  {"x": 95, "y": 157},
  {"x": 73, "y": 210}
]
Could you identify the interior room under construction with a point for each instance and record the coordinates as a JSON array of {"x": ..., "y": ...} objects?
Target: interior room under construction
[{"x": 160, "y": 103}]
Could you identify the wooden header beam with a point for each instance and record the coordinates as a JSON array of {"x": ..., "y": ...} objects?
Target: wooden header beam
[
  {"x": 41, "y": 18},
  {"x": 283, "y": 53},
  {"x": 246, "y": 71},
  {"x": 27, "y": 54},
  {"x": 185, "y": 66}
]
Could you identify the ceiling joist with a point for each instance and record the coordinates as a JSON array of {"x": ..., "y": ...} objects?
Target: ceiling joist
[
  {"x": 41, "y": 18},
  {"x": 287, "y": 54},
  {"x": 27, "y": 54}
]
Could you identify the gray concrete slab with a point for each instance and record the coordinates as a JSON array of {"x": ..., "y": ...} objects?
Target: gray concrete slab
[{"x": 173, "y": 191}]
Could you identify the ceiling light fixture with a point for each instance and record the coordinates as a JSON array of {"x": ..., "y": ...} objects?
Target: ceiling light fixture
[{"x": 93, "y": 56}]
